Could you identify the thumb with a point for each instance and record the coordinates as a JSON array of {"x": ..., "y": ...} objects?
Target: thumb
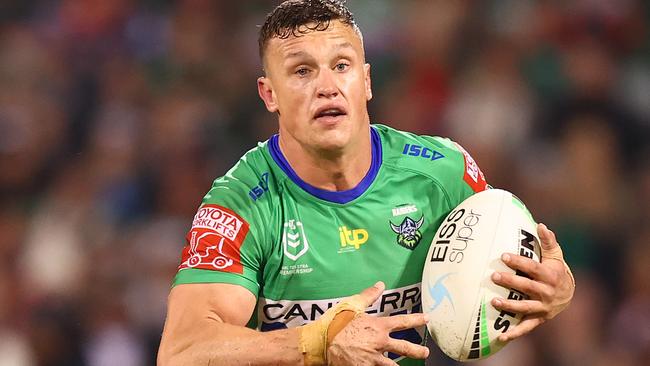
[
  {"x": 371, "y": 294},
  {"x": 550, "y": 247},
  {"x": 350, "y": 307}
]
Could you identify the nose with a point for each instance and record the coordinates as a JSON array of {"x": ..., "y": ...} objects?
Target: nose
[{"x": 327, "y": 85}]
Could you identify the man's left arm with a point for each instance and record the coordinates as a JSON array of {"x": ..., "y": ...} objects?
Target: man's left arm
[{"x": 550, "y": 286}]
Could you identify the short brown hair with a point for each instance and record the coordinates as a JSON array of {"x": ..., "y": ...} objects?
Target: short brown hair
[{"x": 296, "y": 17}]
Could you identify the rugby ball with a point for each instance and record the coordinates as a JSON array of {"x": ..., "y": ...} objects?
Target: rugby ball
[{"x": 456, "y": 284}]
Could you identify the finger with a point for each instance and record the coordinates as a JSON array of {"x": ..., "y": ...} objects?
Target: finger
[
  {"x": 406, "y": 348},
  {"x": 406, "y": 321},
  {"x": 551, "y": 250},
  {"x": 525, "y": 327},
  {"x": 384, "y": 361},
  {"x": 550, "y": 247},
  {"x": 523, "y": 264},
  {"x": 371, "y": 294},
  {"x": 547, "y": 237},
  {"x": 522, "y": 284},
  {"x": 519, "y": 306}
]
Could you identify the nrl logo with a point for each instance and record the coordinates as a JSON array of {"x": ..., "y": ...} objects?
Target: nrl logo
[
  {"x": 408, "y": 232},
  {"x": 294, "y": 240}
]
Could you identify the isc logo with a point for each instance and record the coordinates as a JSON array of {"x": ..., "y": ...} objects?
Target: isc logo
[
  {"x": 352, "y": 238},
  {"x": 260, "y": 188},
  {"x": 421, "y": 151}
]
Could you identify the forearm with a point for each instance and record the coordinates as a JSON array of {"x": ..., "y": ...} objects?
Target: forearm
[{"x": 224, "y": 344}]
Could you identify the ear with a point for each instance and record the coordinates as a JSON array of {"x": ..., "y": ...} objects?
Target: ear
[
  {"x": 366, "y": 71},
  {"x": 265, "y": 90}
]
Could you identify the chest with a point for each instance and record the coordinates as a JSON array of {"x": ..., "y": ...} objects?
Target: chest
[{"x": 323, "y": 251}]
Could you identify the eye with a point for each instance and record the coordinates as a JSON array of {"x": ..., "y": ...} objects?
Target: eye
[
  {"x": 303, "y": 71},
  {"x": 342, "y": 66}
]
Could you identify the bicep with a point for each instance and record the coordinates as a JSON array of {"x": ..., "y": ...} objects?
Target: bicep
[
  {"x": 205, "y": 325},
  {"x": 205, "y": 320},
  {"x": 191, "y": 305}
]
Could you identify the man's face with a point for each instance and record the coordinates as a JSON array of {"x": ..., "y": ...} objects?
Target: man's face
[{"x": 320, "y": 85}]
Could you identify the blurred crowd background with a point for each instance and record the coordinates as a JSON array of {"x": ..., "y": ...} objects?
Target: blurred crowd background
[{"x": 115, "y": 117}]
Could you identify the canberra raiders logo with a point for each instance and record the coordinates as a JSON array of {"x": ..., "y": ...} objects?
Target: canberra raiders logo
[{"x": 408, "y": 232}]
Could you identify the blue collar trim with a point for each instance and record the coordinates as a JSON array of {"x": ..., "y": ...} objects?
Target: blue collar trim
[{"x": 341, "y": 197}]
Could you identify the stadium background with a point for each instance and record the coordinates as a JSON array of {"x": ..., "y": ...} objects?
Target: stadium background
[{"x": 115, "y": 116}]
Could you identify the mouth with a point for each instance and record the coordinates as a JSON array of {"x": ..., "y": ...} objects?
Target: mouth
[{"x": 330, "y": 114}]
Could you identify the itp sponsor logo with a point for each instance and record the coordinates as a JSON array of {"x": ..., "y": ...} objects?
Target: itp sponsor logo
[{"x": 352, "y": 239}]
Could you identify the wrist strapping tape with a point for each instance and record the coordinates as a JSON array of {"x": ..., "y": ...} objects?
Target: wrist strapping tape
[{"x": 315, "y": 336}]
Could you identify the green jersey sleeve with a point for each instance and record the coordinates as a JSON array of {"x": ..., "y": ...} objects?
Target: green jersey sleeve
[
  {"x": 441, "y": 159},
  {"x": 223, "y": 244},
  {"x": 464, "y": 176}
]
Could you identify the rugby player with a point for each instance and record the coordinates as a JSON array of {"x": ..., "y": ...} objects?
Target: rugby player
[{"x": 330, "y": 207}]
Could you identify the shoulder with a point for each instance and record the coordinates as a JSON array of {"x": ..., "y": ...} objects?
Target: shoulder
[
  {"x": 246, "y": 181},
  {"x": 438, "y": 158},
  {"x": 244, "y": 189},
  {"x": 429, "y": 155}
]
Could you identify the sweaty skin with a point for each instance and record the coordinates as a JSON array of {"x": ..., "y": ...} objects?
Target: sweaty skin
[
  {"x": 309, "y": 73},
  {"x": 319, "y": 84},
  {"x": 304, "y": 75}
]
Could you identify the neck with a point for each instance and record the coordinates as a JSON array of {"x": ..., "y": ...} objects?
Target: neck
[{"x": 329, "y": 170}]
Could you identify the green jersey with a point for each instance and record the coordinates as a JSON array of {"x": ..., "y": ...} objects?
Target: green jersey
[{"x": 300, "y": 249}]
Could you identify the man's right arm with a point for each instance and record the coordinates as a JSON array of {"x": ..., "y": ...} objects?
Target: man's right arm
[{"x": 205, "y": 325}]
